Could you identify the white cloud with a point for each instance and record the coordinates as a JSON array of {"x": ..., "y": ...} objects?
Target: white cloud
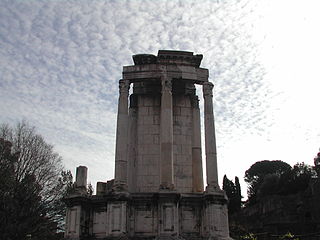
[{"x": 61, "y": 61}]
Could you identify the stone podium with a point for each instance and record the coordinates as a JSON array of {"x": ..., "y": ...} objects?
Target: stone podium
[{"x": 157, "y": 191}]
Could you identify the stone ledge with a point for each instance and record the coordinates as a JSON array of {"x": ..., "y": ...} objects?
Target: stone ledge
[{"x": 170, "y": 57}]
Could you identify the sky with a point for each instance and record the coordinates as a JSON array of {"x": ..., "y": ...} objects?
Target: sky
[{"x": 60, "y": 62}]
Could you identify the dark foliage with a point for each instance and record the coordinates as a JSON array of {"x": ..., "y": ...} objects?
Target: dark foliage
[
  {"x": 238, "y": 196},
  {"x": 296, "y": 180},
  {"x": 32, "y": 184},
  {"x": 233, "y": 192},
  {"x": 256, "y": 174},
  {"x": 277, "y": 177}
]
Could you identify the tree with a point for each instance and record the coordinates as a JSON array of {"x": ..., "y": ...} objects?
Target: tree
[
  {"x": 255, "y": 175},
  {"x": 20, "y": 203},
  {"x": 297, "y": 179},
  {"x": 238, "y": 195},
  {"x": 270, "y": 185},
  {"x": 276, "y": 177},
  {"x": 56, "y": 209},
  {"x": 233, "y": 193},
  {"x": 32, "y": 185}
]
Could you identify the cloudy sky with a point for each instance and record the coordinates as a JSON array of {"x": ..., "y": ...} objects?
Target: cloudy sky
[{"x": 60, "y": 62}]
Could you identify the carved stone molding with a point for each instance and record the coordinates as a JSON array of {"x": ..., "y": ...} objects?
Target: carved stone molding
[
  {"x": 124, "y": 86},
  {"x": 207, "y": 89}
]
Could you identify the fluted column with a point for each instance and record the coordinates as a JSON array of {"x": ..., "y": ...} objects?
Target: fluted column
[
  {"x": 121, "y": 163},
  {"x": 210, "y": 139},
  {"x": 197, "y": 177},
  {"x": 132, "y": 138},
  {"x": 166, "y": 134}
]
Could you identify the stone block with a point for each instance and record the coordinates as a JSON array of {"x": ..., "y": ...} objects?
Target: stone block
[
  {"x": 139, "y": 160},
  {"x": 216, "y": 220},
  {"x": 186, "y": 131},
  {"x": 156, "y": 119},
  {"x": 168, "y": 216},
  {"x": 153, "y": 129},
  {"x": 140, "y": 101},
  {"x": 180, "y": 120},
  {"x": 144, "y": 221},
  {"x": 156, "y": 101},
  {"x": 99, "y": 222},
  {"x": 151, "y": 159},
  {"x": 154, "y": 110},
  {"x": 148, "y": 120},
  {"x": 153, "y": 149},
  {"x": 190, "y": 220},
  {"x": 181, "y": 139},
  {"x": 156, "y": 138},
  {"x": 116, "y": 218},
  {"x": 186, "y": 149},
  {"x": 152, "y": 171},
  {"x": 187, "y": 170},
  {"x": 148, "y": 101},
  {"x": 177, "y": 130},
  {"x": 140, "y": 133},
  {"x": 143, "y": 111},
  {"x": 187, "y": 102},
  {"x": 81, "y": 176},
  {"x": 147, "y": 138},
  {"x": 176, "y": 111},
  {"x": 184, "y": 160},
  {"x": 186, "y": 111},
  {"x": 177, "y": 148},
  {"x": 73, "y": 222},
  {"x": 179, "y": 101},
  {"x": 101, "y": 188}
]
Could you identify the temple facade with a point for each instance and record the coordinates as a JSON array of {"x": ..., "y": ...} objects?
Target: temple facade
[{"x": 157, "y": 190}]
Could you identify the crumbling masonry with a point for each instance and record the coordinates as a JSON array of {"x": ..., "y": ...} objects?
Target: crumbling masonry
[{"x": 157, "y": 192}]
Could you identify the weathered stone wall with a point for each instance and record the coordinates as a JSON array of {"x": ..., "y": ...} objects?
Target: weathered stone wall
[
  {"x": 182, "y": 143},
  {"x": 146, "y": 215},
  {"x": 148, "y": 150},
  {"x": 147, "y": 143},
  {"x": 157, "y": 192}
]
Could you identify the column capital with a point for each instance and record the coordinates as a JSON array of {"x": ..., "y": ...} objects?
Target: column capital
[
  {"x": 194, "y": 101},
  {"x": 166, "y": 84},
  {"x": 124, "y": 86},
  {"x": 207, "y": 88}
]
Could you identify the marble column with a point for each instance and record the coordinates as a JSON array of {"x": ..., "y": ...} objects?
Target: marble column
[
  {"x": 81, "y": 176},
  {"x": 210, "y": 139},
  {"x": 166, "y": 134},
  {"x": 121, "y": 163},
  {"x": 197, "y": 177},
  {"x": 81, "y": 180},
  {"x": 133, "y": 139}
]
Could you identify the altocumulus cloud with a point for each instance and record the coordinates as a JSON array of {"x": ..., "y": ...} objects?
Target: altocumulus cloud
[{"x": 61, "y": 62}]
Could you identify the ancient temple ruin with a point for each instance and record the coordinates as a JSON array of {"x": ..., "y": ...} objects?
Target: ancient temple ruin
[{"x": 157, "y": 191}]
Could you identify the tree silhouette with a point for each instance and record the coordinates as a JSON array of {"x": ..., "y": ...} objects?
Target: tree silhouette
[
  {"x": 233, "y": 192},
  {"x": 238, "y": 195},
  {"x": 32, "y": 184},
  {"x": 256, "y": 174},
  {"x": 277, "y": 177}
]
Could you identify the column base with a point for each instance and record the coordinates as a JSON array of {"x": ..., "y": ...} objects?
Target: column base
[
  {"x": 119, "y": 187},
  {"x": 212, "y": 188}
]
